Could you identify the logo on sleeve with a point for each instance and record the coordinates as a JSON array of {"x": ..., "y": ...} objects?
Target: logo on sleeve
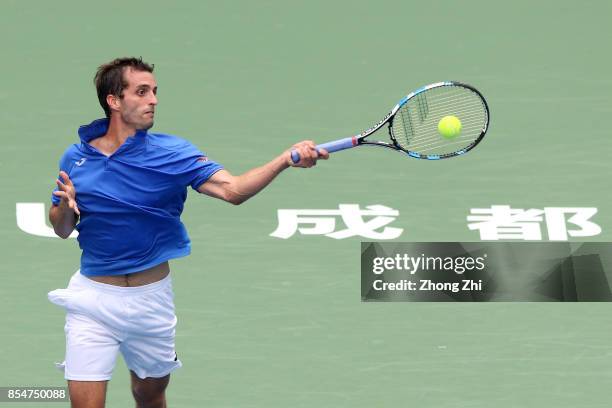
[
  {"x": 203, "y": 159},
  {"x": 80, "y": 162}
]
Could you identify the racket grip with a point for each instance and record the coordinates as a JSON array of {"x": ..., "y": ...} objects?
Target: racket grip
[{"x": 331, "y": 147}]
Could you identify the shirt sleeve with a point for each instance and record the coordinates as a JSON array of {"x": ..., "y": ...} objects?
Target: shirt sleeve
[
  {"x": 200, "y": 167},
  {"x": 66, "y": 163}
]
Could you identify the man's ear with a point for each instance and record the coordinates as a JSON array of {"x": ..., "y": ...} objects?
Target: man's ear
[{"x": 113, "y": 101}]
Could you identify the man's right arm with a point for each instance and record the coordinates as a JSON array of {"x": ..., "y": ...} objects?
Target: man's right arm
[{"x": 64, "y": 216}]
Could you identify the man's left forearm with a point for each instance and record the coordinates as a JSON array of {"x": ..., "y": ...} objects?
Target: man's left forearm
[
  {"x": 238, "y": 189},
  {"x": 253, "y": 181}
]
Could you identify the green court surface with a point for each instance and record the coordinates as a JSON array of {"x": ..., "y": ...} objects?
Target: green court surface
[{"x": 268, "y": 322}]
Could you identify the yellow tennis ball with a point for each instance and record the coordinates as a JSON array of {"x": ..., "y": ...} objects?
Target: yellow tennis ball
[{"x": 449, "y": 127}]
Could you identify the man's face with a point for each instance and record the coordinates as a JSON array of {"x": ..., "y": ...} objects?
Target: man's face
[{"x": 137, "y": 106}]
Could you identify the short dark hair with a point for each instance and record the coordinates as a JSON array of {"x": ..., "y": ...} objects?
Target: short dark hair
[{"x": 109, "y": 78}]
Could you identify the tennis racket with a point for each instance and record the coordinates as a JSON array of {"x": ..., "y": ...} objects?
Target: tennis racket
[{"x": 413, "y": 123}]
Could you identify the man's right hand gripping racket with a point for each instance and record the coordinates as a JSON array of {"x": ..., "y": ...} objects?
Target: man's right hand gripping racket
[{"x": 437, "y": 121}]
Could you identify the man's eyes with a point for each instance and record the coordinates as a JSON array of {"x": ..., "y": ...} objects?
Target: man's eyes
[{"x": 143, "y": 92}]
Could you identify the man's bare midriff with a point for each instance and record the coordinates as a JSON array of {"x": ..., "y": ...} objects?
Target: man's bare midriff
[{"x": 145, "y": 277}]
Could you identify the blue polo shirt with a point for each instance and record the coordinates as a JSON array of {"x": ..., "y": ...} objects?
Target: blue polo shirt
[{"x": 131, "y": 201}]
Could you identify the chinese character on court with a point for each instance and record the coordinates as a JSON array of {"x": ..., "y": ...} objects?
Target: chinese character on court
[
  {"x": 504, "y": 222},
  {"x": 370, "y": 222}
]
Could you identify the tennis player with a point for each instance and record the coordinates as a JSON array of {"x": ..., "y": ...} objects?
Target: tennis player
[{"x": 123, "y": 188}]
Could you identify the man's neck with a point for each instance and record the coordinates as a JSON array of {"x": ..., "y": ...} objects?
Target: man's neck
[
  {"x": 118, "y": 132},
  {"x": 115, "y": 136}
]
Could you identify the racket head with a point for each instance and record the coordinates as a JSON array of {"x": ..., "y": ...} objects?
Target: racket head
[{"x": 413, "y": 122}]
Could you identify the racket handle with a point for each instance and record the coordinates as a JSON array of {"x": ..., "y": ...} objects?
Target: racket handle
[{"x": 331, "y": 147}]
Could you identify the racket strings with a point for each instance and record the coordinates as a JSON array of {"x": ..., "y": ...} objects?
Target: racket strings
[
  {"x": 415, "y": 127},
  {"x": 407, "y": 122},
  {"x": 423, "y": 107}
]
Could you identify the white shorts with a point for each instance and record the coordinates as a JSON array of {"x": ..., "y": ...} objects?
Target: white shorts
[{"x": 102, "y": 320}]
